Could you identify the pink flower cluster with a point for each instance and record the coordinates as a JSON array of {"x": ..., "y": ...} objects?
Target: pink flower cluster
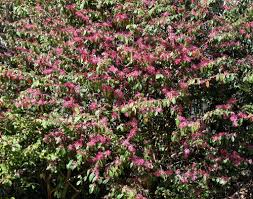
[
  {"x": 69, "y": 102},
  {"x": 34, "y": 97},
  {"x": 234, "y": 157},
  {"x": 191, "y": 175},
  {"x": 12, "y": 75},
  {"x": 76, "y": 145},
  {"x": 183, "y": 122},
  {"x": 101, "y": 155},
  {"x": 163, "y": 173},
  {"x": 141, "y": 162},
  {"x": 98, "y": 139}
]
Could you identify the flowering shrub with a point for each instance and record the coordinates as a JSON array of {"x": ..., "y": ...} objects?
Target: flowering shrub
[{"x": 126, "y": 99}]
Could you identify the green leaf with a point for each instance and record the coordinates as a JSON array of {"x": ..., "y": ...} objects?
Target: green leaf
[
  {"x": 124, "y": 110},
  {"x": 92, "y": 177},
  {"x": 177, "y": 122},
  {"x": 120, "y": 196},
  {"x": 159, "y": 76},
  {"x": 173, "y": 100},
  {"x": 70, "y": 165},
  {"x": 92, "y": 188}
]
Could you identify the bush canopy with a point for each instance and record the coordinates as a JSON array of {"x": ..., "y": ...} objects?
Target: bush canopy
[{"x": 125, "y": 98}]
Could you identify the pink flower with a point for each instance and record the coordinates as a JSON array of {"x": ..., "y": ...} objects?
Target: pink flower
[
  {"x": 38, "y": 8},
  {"x": 148, "y": 2},
  {"x": 113, "y": 69},
  {"x": 82, "y": 16},
  {"x": 159, "y": 109},
  {"x": 148, "y": 164},
  {"x": 232, "y": 101},
  {"x": 29, "y": 26},
  {"x": 115, "y": 115},
  {"x": 138, "y": 161},
  {"x": 224, "y": 106},
  {"x": 194, "y": 177},
  {"x": 101, "y": 139},
  {"x": 168, "y": 172},
  {"x": 126, "y": 142},
  {"x": 59, "y": 51},
  {"x": 183, "y": 125},
  {"x": 69, "y": 103},
  {"x": 118, "y": 93},
  {"x": 71, "y": 7},
  {"x": 151, "y": 70},
  {"x": 77, "y": 39},
  {"x": 46, "y": 139},
  {"x": 178, "y": 61},
  {"x": 131, "y": 148},
  {"x": 242, "y": 115},
  {"x": 70, "y": 85},
  {"x": 218, "y": 136},
  {"x": 181, "y": 118},
  {"x": 159, "y": 173},
  {"x": 104, "y": 121},
  {"x": 98, "y": 139},
  {"x": 134, "y": 74},
  {"x": 107, "y": 153},
  {"x": 248, "y": 36},
  {"x": 91, "y": 143},
  {"x": 132, "y": 133},
  {"x": 186, "y": 153},
  {"x": 99, "y": 156},
  {"x": 93, "y": 106},
  {"x": 170, "y": 94},
  {"x": 183, "y": 85},
  {"x": 121, "y": 17},
  {"x": 234, "y": 119},
  {"x": 236, "y": 158},
  {"x": 78, "y": 144},
  {"x": 133, "y": 123},
  {"x": 177, "y": 172},
  {"x": 139, "y": 196},
  {"x": 162, "y": 172},
  {"x": 41, "y": 102},
  {"x": 71, "y": 147},
  {"x": 184, "y": 180},
  {"x": 186, "y": 58},
  {"x": 48, "y": 71},
  {"x": 106, "y": 88}
]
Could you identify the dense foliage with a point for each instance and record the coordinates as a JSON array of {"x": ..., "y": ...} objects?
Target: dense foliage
[{"x": 125, "y": 98}]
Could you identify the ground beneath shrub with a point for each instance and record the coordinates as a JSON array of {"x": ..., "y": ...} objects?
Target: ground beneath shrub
[{"x": 245, "y": 192}]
